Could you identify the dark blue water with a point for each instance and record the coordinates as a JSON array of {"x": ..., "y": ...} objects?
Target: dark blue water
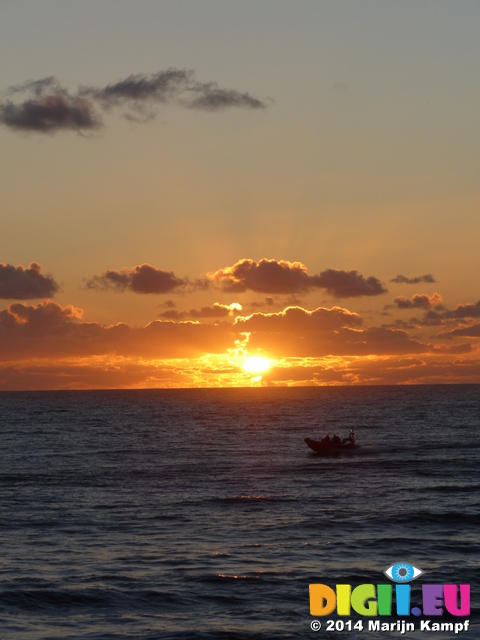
[{"x": 199, "y": 514}]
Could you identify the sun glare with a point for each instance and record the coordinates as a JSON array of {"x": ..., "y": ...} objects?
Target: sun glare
[{"x": 256, "y": 364}]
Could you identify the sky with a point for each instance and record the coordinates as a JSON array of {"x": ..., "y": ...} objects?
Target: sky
[{"x": 189, "y": 185}]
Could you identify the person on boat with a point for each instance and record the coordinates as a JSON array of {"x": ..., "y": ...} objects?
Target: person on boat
[
  {"x": 326, "y": 439},
  {"x": 350, "y": 439},
  {"x": 336, "y": 440}
]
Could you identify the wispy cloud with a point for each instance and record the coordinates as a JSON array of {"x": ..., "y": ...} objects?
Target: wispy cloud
[
  {"x": 46, "y": 106},
  {"x": 415, "y": 280},
  {"x": 171, "y": 86}
]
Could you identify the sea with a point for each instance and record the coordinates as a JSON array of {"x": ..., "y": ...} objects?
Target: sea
[{"x": 201, "y": 514}]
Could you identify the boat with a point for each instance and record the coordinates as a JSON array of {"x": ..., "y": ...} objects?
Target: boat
[{"x": 334, "y": 445}]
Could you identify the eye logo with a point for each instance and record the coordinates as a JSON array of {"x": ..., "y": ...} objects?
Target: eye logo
[{"x": 402, "y": 572}]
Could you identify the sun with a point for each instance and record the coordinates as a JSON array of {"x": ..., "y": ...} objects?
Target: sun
[{"x": 256, "y": 364}]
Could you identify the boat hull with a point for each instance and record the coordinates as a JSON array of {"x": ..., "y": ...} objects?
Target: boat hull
[{"x": 327, "y": 447}]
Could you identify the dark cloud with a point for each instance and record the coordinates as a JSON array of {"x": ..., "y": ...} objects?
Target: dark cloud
[
  {"x": 349, "y": 284},
  {"x": 210, "y": 97},
  {"x": 168, "y": 304},
  {"x": 18, "y": 283},
  {"x": 266, "y": 276},
  {"x": 459, "y": 316},
  {"x": 141, "y": 278},
  {"x": 139, "y": 89},
  {"x": 51, "y": 113},
  {"x": 172, "y": 85},
  {"x": 465, "y": 311},
  {"x": 470, "y": 332},
  {"x": 47, "y": 106},
  {"x": 284, "y": 277},
  {"x": 416, "y": 280},
  {"x": 420, "y": 301}
]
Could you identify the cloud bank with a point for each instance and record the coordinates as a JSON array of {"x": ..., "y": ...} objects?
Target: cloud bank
[
  {"x": 47, "y": 345},
  {"x": 48, "y": 330}
]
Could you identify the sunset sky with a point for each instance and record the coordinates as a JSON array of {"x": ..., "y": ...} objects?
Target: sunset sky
[{"x": 185, "y": 185}]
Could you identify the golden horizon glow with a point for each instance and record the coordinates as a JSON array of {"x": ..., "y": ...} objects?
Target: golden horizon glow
[{"x": 256, "y": 364}]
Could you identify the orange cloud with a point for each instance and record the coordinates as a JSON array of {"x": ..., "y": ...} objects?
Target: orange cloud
[
  {"x": 297, "y": 332},
  {"x": 50, "y": 346},
  {"x": 216, "y": 311},
  {"x": 48, "y": 330}
]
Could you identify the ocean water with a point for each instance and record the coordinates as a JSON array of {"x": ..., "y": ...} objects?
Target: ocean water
[{"x": 198, "y": 514}]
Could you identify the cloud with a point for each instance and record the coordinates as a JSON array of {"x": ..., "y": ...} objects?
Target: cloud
[
  {"x": 47, "y": 346},
  {"x": 471, "y": 332},
  {"x": 298, "y": 319},
  {"x": 349, "y": 284},
  {"x": 284, "y": 277},
  {"x": 442, "y": 316},
  {"x": 216, "y": 311},
  {"x": 101, "y": 373},
  {"x": 209, "y": 96},
  {"x": 296, "y": 332},
  {"x": 48, "y": 330},
  {"x": 416, "y": 280},
  {"x": 420, "y": 301},
  {"x": 142, "y": 278},
  {"x": 465, "y": 311},
  {"x": 172, "y": 85},
  {"x": 18, "y": 283},
  {"x": 266, "y": 276},
  {"x": 36, "y": 321},
  {"x": 46, "y": 106}
]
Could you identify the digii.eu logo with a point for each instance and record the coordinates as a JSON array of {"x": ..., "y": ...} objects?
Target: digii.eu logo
[{"x": 370, "y": 600}]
